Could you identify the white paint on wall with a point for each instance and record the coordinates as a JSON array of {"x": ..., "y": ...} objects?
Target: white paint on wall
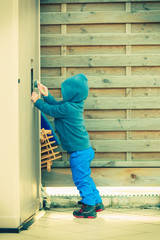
[
  {"x": 20, "y": 165},
  {"x": 9, "y": 170}
]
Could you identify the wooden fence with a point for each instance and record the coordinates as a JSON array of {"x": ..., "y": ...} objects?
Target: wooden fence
[{"x": 116, "y": 44}]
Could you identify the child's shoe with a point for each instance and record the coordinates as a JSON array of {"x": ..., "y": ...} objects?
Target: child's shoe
[
  {"x": 99, "y": 206},
  {"x": 87, "y": 211}
]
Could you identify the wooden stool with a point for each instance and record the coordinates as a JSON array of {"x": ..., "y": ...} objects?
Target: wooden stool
[{"x": 47, "y": 150}]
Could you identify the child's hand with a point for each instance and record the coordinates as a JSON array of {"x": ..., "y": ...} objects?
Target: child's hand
[
  {"x": 34, "y": 97},
  {"x": 43, "y": 89}
]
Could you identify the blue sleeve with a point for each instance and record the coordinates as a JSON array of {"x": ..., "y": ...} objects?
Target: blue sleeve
[
  {"x": 50, "y": 100},
  {"x": 56, "y": 111}
]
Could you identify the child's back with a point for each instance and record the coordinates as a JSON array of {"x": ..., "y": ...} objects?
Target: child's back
[{"x": 68, "y": 113}]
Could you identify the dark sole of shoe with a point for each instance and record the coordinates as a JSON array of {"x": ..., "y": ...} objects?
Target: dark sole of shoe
[{"x": 99, "y": 210}]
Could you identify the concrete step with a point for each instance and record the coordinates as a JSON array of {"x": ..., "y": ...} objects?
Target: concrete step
[{"x": 127, "y": 202}]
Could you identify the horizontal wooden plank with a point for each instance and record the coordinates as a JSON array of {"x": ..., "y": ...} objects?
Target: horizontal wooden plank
[
  {"x": 97, "y": 103},
  {"x": 92, "y": 1},
  {"x": 109, "y": 81},
  {"x": 102, "y": 28},
  {"x": 101, "y": 60},
  {"x": 89, "y": 7},
  {"x": 141, "y": 6},
  {"x": 121, "y": 124},
  {"x": 121, "y": 113},
  {"x": 100, "y": 39},
  {"x": 92, "y": 50},
  {"x": 117, "y": 156},
  {"x": 111, "y": 163},
  {"x": 100, "y": 17},
  {"x": 144, "y": 28},
  {"x": 145, "y": 49},
  {"x": 124, "y": 146},
  {"x": 123, "y": 103},
  {"x": 105, "y": 177}
]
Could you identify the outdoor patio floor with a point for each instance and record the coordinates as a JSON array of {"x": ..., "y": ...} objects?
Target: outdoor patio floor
[{"x": 115, "y": 224}]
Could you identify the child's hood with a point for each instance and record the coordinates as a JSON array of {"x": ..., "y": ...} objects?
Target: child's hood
[{"x": 75, "y": 89}]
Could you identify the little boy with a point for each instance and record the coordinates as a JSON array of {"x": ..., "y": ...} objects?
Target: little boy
[{"x": 69, "y": 123}]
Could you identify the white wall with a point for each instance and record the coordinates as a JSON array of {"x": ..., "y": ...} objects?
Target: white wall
[
  {"x": 9, "y": 147},
  {"x": 19, "y": 141}
]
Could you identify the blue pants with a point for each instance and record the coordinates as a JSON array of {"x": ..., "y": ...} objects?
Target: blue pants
[{"x": 80, "y": 167}]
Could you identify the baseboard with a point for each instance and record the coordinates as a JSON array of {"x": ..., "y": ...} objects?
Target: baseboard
[
  {"x": 10, "y": 230},
  {"x": 25, "y": 225}
]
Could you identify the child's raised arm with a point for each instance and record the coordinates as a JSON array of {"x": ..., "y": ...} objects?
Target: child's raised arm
[
  {"x": 34, "y": 97},
  {"x": 47, "y": 96},
  {"x": 56, "y": 111},
  {"x": 43, "y": 89}
]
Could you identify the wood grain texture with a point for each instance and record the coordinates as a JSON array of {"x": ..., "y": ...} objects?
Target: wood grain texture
[
  {"x": 90, "y": 7},
  {"x": 101, "y": 60},
  {"x": 123, "y": 103},
  {"x": 97, "y": 103},
  {"x": 124, "y": 146},
  {"x": 121, "y": 124},
  {"x": 115, "y": 43},
  {"x": 105, "y": 177},
  {"x": 63, "y": 69},
  {"x": 100, "y": 39},
  {"x": 145, "y": 27},
  {"x": 102, "y": 28},
  {"x": 109, "y": 81},
  {"x": 100, "y": 17},
  {"x": 98, "y": 163},
  {"x": 91, "y": 1}
]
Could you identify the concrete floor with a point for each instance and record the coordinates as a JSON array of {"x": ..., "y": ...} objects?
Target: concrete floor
[{"x": 111, "y": 224}]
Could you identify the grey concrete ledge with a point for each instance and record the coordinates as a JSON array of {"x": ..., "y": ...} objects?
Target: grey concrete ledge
[{"x": 110, "y": 202}]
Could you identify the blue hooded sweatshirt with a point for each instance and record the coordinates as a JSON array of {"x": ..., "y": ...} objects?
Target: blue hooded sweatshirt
[{"x": 68, "y": 114}]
